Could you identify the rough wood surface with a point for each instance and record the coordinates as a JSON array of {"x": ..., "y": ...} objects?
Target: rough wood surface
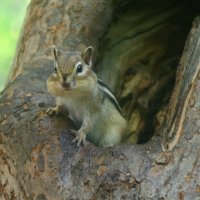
[
  {"x": 183, "y": 95},
  {"x": 140, "y": 54},
  {"x": 38, "y": 159}
]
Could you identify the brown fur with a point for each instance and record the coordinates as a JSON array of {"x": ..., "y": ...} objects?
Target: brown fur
[{"x": 100, "y": 121}]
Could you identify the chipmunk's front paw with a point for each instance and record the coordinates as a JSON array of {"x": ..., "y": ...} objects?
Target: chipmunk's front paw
[
  {"x": 52, "y": 111},
  {"x": 79, "y": 137}
]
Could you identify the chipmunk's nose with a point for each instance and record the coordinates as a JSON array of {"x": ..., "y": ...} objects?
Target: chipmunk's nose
[
  {"x": 65, "y": 85},
  {"x": 65, "y": 81},
  {"x": 64, "y": 77}
]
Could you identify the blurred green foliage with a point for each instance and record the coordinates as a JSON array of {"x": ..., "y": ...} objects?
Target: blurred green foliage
[{"x": 12, "y": 13}]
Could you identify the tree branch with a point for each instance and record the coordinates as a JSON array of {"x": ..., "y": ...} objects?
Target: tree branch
[{"x": 39, "y": 160}]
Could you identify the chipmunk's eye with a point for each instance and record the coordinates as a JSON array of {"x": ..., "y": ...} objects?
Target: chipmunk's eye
[{"x": 79, "y": 68}]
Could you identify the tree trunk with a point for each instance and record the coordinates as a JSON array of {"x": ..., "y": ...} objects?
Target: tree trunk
[{"x": 138, "y": 45}]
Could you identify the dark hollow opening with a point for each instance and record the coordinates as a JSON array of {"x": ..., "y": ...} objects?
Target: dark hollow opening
[{"x": 140, "y": 55}]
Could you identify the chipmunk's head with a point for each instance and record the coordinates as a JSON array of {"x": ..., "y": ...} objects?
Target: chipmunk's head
[{"x": 72, "y": 70}]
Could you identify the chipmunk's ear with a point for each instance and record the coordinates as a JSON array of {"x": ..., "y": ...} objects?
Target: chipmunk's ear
[
  {"x": 87, "y": 55},
  {"x": 56, "y": 52}
]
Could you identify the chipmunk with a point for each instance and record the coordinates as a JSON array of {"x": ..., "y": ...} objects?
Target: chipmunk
[{"x": 90, "y": 103}]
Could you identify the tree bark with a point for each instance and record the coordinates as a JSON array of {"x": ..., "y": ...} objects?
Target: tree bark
[{"x": 38, "y": 159}]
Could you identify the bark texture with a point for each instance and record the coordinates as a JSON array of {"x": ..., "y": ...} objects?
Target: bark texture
[
  {"x": 38, "y": 159},
  {"x": 140, "y": 54}
]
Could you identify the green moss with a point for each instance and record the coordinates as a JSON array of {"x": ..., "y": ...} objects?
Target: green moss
[{"x": 11, "y": 18}]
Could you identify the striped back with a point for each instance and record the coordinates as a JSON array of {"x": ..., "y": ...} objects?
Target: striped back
[{"x": 108, "y": 93}]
